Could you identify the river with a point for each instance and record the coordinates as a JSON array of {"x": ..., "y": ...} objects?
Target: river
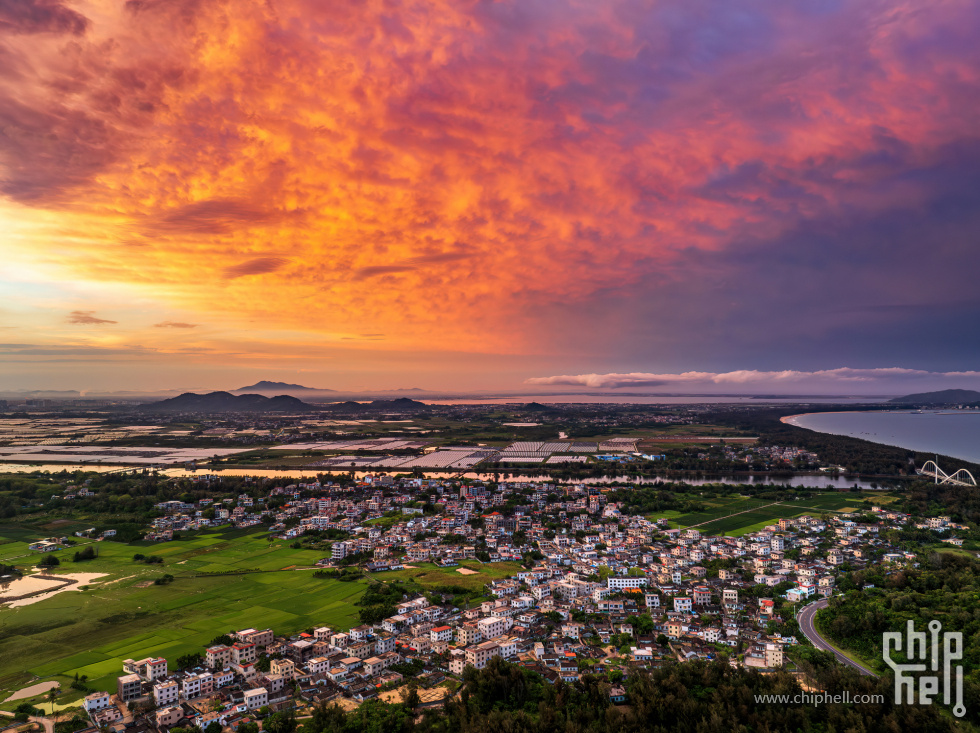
[{"x": 810, "y": 481}]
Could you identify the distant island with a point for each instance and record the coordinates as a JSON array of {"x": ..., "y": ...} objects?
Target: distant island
[
  {"x": 942, "y": 397},
  {"x": 278, "y": 387},
  {"x": 227, "y": 402}
]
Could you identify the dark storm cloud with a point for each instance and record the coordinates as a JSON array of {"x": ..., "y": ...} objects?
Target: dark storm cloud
[
  {"x": 36, "y": 16},
  {"x": 863, "y": 289}
]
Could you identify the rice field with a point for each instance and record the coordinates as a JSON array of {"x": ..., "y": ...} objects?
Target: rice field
[{"x": 90, "y": 632}]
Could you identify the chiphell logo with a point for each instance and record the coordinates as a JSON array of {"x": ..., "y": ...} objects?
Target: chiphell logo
[{"x": 919, "y": 646}]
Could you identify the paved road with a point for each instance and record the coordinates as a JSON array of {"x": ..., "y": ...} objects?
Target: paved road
[
  {"x": 46, "y": 722},
  {"x": 806, "y": 619}
]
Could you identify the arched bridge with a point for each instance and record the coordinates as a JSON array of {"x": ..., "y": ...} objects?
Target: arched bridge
[{"x": 959, "y": 478}]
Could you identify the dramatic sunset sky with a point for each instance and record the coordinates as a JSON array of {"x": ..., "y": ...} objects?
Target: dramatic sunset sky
[{"x": 736, "y": 195}]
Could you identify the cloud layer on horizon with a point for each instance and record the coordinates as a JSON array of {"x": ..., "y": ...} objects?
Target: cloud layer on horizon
[{"x": 844, "y": 380}]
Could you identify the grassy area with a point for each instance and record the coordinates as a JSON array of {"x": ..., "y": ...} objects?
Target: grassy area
[
  {"x": 429, "y": 575},
  {"x": 670, "y": 514},
  {"x": 124, "y": 615},
  {"x": 751, "y": 515},
  {"x": 386, "y": 522}
]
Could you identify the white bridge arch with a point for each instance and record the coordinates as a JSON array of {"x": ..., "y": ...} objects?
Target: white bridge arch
[{"x": 959, "y": 478}]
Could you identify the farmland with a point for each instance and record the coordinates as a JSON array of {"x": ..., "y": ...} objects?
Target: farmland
[
  {"x": 741, "y": 515},
  {"x": 222, "y": 581},
  {"x": 90, "y": 632}
]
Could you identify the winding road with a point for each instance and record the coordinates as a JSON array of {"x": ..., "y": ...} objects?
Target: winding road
[{"x": 806, "y": 619}]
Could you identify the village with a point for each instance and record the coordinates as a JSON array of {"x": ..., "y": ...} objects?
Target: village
[{"x": 601, "y": 591}]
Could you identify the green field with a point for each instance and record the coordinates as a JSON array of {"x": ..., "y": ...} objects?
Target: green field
[
  {"x": 430, "y": 575},
  {"x": 751, "y": 514},
  {"x": 90, "y": 632}
]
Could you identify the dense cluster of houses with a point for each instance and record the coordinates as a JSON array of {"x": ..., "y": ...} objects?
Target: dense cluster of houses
[{"x": 606, "y": 590}]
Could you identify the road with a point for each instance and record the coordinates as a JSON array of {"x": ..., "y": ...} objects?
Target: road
[
  {"x": 47, "y": 723},
  {"x": 806, "y": 619}
]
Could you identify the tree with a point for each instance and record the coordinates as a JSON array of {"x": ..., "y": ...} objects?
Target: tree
[
  {"x": 49, "y": 561},
  {"x": 249, "y": 727},
  {"x": 213, "y": 727},
  {"x": 52, "y": 696},
  {"x": 280, "y": 723},
  {"x": 642, "y": 625},
  {"x": 188, "y": 660},
  {"x": 412, "y": 699},
  {"x": 87, "y": 554}
]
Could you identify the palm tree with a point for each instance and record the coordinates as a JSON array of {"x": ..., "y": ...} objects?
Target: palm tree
[{"x": 52, "y": 696}]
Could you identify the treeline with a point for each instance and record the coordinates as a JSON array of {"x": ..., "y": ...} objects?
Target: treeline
[
  {"x": 125, "y": 496},
  {"x": 945, "y": 587},
  {"x": 694, "y": 697},
  {"x": 960, "y": 503}
]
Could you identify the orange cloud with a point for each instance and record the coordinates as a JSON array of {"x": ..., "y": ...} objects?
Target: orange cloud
[{"x": 441, "y": 171}]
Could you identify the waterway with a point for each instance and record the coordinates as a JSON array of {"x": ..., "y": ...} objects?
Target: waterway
[
  {"x": 943, "y": 432},
  {"x": 810, "y": 481}
]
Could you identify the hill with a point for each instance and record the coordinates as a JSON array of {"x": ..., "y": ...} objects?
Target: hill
[
  {"x": 400, "y": 404},
  {"x": 942, "y": 397},
  {"x": 278, "y": 387},
  {"x": 227, "y": 402},
  {"x": 537, "y": 407}
]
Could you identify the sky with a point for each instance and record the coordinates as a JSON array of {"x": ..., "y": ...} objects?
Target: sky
[{"x": 751, "y": 195}]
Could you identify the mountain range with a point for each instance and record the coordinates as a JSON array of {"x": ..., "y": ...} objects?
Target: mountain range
[{"x": 227, "y": 402}]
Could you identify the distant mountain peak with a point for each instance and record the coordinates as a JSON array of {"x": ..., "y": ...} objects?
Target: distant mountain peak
[
  {"x": 537, "y": 407},
  {"x": 267, "y": 386}
]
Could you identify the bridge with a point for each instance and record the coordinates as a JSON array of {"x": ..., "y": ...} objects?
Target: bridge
[{"x": 959, "y": 478}]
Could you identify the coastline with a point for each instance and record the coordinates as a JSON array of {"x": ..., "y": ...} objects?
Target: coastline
[{"x": 892, "y": 428}]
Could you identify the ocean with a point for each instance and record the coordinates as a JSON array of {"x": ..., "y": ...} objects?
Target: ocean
[{"x": 944, "y": 432}]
